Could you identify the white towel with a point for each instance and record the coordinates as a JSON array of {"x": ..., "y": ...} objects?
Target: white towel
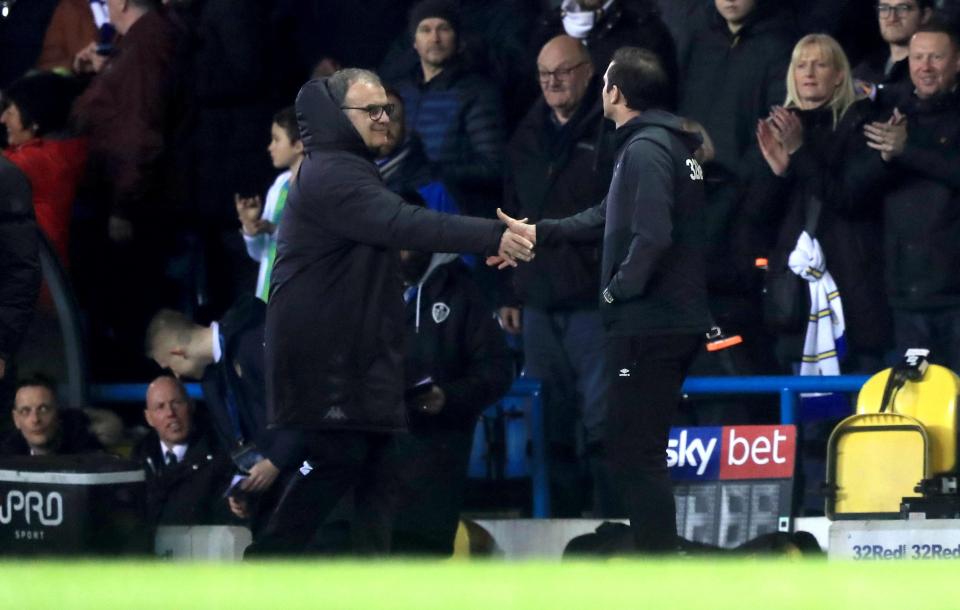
[{"x": 824, "y": 345}]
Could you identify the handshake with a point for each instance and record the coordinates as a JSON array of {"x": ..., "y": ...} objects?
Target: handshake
[{"x": 516, "y": 244}]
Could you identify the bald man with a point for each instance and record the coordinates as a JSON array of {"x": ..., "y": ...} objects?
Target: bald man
[
  {"x": 553, "y": 301},
  {"x": 187, "y": 472}
]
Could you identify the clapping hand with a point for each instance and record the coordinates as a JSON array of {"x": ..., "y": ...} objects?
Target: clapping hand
[
  {"x": 889, "y": 137},
  {"x": 787, "y": 128},
  {"x": 773, "y": 151},
  {"x": 516, "y": 244}
]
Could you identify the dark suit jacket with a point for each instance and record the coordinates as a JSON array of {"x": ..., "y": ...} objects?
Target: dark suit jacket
[{"x": 190, "y": 492}]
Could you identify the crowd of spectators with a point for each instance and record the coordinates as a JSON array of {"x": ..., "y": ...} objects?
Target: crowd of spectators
[{"x": 142, "y": 130}]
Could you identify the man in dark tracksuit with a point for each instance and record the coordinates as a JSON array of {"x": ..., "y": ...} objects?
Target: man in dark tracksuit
[
  {"x": 653, "y": 285},
  {"x": 334, "y": 330},
  {"x": 453, "y": 340}
]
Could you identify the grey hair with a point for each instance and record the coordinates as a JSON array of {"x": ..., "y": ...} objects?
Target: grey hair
[{"x": 345, "y": 78}]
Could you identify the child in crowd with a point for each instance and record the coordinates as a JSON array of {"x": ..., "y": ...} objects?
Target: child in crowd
[{"x": 258, "y": 221}]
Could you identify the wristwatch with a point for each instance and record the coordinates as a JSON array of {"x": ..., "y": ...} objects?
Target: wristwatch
[{"x": 607, "y": 296}]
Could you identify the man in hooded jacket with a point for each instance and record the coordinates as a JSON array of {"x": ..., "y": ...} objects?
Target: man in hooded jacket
[
  {"x": 653, "y": 299},
  {"x": 334, "y": 330}
]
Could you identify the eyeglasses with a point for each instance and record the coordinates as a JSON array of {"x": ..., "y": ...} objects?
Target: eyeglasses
[
  {"x": 559, "y": 73},
  {"x": 899, "y": 10},
  {"x": 374, "y": 110}
]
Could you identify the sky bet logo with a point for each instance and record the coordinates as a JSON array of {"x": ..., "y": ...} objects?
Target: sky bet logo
[{"x": 731, "y": 452}]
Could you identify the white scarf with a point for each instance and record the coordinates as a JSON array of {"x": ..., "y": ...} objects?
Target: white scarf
[
  {"x": 578, "y": 22},
  {"x": 824, "y": 344},
  {"x": 100, "y": 13}
]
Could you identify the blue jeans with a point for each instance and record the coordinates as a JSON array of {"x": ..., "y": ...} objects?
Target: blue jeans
[{"x": 566, "y": 351}]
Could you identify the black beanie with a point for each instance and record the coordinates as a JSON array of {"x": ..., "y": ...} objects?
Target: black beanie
[
  {"x": 43, "y": 99},
  {"x": 447, "y": 10}
]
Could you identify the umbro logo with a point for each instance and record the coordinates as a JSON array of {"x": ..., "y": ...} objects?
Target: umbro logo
[
  {"x": 335, "y": 413},
  {"x": 624, "y": 372}
]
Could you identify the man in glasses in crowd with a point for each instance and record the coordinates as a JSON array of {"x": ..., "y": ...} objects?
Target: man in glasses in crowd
[
  {"x": 335, "y": 320},
  {"x": 898, "y": 20},
  {"x": 552, "y": 302}
]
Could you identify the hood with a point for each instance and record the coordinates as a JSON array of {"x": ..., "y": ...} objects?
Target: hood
[
  {"x": 657, "y": 118},
  {"x": 438, "y": 260},
  {"x": 323, "y": 126}
]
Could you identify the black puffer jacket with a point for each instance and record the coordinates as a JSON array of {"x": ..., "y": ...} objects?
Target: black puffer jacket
[
  {"x": 652, "y": 221},
  {"x": 334, "y": 332},
  {"x": 19, "y": 257},
  {"x": 730, "y": 81},
  {"x": 552, "y": 174}
]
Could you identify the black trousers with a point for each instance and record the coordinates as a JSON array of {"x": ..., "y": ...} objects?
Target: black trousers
[
  {"x": 647, "y": 375},
  {"x": 341, "y": 461}
]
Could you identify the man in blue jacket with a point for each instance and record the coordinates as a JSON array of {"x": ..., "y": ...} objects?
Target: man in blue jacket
[{"x": 653, "y": 296}]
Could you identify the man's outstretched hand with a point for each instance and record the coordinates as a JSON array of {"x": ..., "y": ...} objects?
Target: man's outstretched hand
[{"x": 516, "y": 244}]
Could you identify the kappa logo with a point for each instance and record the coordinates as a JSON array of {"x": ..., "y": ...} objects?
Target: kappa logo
[
  {"x": 335, "y": 413},
  {"x": 624, "y": 372},
  {"x": 440, "y": 312}
]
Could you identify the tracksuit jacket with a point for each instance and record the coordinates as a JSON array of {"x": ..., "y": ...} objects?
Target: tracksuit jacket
[{"x": 652, "y": 222}]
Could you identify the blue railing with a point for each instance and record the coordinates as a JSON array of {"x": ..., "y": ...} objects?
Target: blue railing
[
  {"x": 789, "y": 388},
  {"x": 524, "y": 388}
]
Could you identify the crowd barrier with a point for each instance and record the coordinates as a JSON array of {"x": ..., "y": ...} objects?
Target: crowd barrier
[{"x": 528, "y": 391}]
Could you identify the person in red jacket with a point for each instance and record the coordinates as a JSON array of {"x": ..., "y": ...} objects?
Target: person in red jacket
[{"x": 35, "y": 113}]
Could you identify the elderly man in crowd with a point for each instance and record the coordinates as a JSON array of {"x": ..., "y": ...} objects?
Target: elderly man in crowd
[{"x": 552, "y": 174}]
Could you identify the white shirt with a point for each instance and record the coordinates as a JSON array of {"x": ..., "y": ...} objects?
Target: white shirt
[
  {"x": 178, "y": 450},
  {"x": 215, "y": 329}
]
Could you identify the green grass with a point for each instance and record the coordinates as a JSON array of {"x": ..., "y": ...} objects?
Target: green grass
[{"x": 701, "y": 584}]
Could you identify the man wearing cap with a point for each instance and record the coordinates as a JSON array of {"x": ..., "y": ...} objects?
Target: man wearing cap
[{"x": 457, "y": 114}]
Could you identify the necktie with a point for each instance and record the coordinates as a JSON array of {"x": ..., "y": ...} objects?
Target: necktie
[{"x": 171, "y": 458}]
